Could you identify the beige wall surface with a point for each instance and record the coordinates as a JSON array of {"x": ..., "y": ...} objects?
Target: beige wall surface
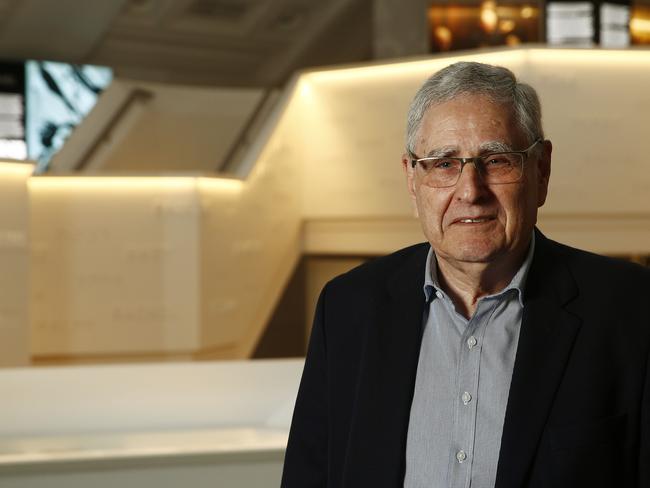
[
  {"x": 195, "y": 266},
  {"x": 114, "y": 266},
  {"x": 14, "y": 248},
  {"x": 595, "y": 107}
]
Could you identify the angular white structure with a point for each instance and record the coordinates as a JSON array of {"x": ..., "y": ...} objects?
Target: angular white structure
[{"x": 195, "y": 424}]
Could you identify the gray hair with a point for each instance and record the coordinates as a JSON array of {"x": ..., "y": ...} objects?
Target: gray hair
[{"x": 463, "y": 78}]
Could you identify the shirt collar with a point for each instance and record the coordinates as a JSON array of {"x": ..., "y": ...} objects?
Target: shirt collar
[{"x": 517, "y": 283}]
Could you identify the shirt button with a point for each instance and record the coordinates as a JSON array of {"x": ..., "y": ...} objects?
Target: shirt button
[
  {"x": 438, "y": 294},
  {"x": 471, "y": 342},
  {"x": 461, "y": 456},
  {"x": 466, "y": 397}
]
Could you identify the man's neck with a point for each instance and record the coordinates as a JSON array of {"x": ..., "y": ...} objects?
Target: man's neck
[{"x": 466, "y": 283}]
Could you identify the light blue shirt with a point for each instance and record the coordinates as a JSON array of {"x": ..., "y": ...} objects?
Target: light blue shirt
[{"x": 462, "y": 384}]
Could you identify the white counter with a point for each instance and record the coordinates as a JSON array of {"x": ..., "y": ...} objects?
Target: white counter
[{"x": 208, "y": 424}]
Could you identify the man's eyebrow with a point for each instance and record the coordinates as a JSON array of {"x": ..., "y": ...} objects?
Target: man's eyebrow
[
  {"x": 485, "y": 148},
  {"x": 494, "y": 146},
  {"x": 441, "y": 152}
]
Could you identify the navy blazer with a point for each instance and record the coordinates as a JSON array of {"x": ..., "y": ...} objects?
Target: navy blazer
[{"x": 578, "y": 410}]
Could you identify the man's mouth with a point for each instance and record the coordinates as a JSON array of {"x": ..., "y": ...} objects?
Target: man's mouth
[{"x": 476, "y": 220}]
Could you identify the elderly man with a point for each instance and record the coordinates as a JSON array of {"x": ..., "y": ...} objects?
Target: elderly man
[{"x": 491, "y": 355}]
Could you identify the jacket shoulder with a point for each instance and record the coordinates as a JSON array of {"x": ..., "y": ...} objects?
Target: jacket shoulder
[
  {"x": 602, "y": 279},
  {"x": 604, "y": 266}
]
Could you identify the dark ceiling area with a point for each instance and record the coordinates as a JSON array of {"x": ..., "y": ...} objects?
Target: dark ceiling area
[{"x": 239, "y": 43}]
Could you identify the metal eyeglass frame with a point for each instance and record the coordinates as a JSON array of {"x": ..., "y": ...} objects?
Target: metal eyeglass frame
[{"x": 480, "y": 159}]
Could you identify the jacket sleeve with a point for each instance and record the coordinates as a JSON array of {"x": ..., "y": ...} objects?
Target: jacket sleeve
[
  {"x": 644, "y": 451},
  {"x": 306, "y": 458}
]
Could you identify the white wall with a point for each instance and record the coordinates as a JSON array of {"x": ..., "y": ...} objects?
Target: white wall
[{"x": 157, "y": 425}]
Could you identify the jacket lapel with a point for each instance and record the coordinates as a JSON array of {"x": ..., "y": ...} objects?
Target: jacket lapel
[
  {"x": 377, "y": 444},
  {"x": 547, "y": 334}
]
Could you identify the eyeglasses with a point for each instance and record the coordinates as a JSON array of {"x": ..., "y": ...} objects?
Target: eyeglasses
[{"x": 495, "y": 168}]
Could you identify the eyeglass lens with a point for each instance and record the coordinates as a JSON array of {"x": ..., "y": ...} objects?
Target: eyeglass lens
[{"x": 494, "y": 168}]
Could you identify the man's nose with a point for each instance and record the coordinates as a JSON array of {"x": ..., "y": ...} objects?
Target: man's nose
[{"x": 471, "y": 185}]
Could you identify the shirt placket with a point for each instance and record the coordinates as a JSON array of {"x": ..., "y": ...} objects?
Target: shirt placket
[{"x": 466, "y": 401}]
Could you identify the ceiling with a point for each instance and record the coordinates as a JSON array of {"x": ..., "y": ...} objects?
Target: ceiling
[{"x": 240, "y": 43}]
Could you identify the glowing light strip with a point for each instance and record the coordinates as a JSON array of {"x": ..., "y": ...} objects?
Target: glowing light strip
[
  {"x": 507, "y": 57},
  {"x": 411, "y": 68},
  {"x": 220, "y": 184},
  {"x": 112, "y": 183},
  {"x": 18, "y": 169},
  {"x": 134, "y": 183}
]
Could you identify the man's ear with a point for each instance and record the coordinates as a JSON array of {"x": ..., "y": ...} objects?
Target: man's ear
[
  {"x": 543, "y": 172},
  {"x": 410, "y": 181}
]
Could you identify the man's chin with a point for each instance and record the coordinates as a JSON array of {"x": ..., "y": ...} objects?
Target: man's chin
[
  {"x": 481, "y": 251},
  {"x": 473, "y": 256}
]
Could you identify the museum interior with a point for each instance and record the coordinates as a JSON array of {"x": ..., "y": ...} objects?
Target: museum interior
[{"x": 180, "y": 178}]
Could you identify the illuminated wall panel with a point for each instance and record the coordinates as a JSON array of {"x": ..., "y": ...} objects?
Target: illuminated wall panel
[
  {"x": 115, "y": 266},
  {"x": 14, "y": 241}
]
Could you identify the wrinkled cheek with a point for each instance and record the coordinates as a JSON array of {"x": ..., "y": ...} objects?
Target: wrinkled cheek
[
  {"x": 431, "y": 229},
  {"x": 421, "y": 211},
  {"x": 416, "y": 211},
  {"x": 515, "y": 230},
  {"x": 431, "y": 209}
]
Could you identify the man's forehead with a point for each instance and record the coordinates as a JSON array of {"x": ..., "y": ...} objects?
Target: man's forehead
[
  {"x": 473, "y": 123},
  {"x": 467, "y": 106}
]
